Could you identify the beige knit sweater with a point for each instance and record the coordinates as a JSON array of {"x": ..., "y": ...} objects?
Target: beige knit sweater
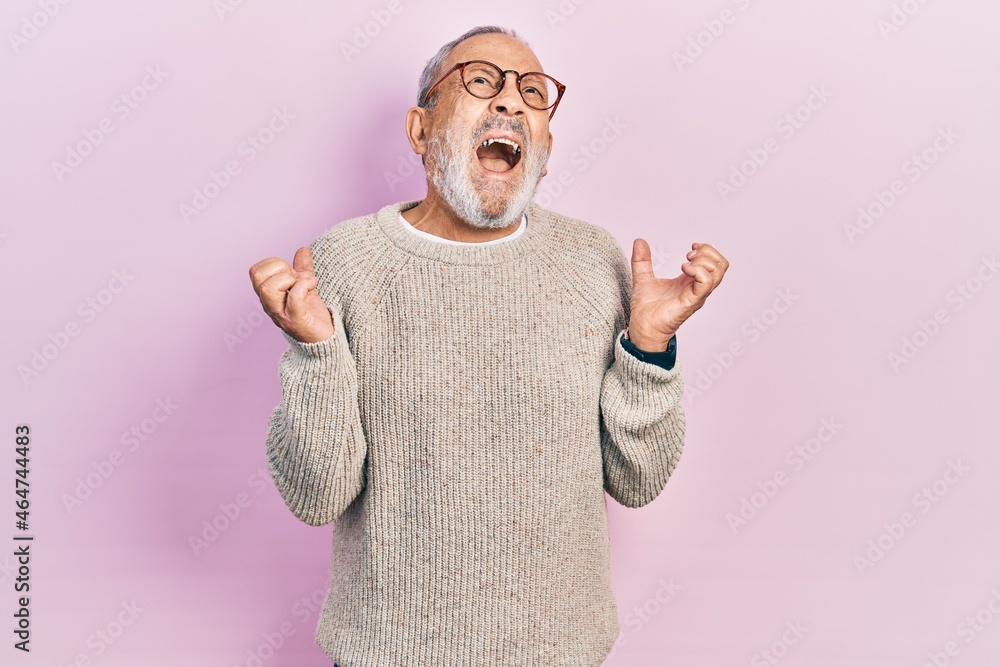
[{"x": 460, "y": 429}]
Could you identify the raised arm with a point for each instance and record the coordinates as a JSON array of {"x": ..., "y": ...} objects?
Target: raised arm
[
  {"x": 315, "y": 441},
  {"x": 642, "y": 421}
]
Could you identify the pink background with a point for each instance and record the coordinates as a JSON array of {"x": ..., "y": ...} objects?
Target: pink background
[{"x": 693, "y": 587}]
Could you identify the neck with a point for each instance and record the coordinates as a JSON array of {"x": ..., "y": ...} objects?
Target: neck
[{"x": 434, "y": 216}]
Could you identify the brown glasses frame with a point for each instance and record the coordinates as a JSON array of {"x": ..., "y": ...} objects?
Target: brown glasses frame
[{"x": 503, "y": 81}]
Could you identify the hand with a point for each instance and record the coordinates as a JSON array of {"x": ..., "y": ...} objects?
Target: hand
[
  {"x": 289, "y": 297},
  {"x": 660, "y": 305}
]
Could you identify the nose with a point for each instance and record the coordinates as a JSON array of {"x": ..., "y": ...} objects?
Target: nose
[{"x": 508, "y": 100}]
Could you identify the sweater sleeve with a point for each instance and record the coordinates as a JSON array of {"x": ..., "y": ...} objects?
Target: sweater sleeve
[
  {"x": 316, "y": 445},
  {"x": 642, "y": 421}
]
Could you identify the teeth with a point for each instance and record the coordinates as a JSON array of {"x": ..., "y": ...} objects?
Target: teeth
[{"x": 517, "y": 149}]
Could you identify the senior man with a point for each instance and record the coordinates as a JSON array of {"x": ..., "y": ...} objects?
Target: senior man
[{"x": 466, "y": 376}]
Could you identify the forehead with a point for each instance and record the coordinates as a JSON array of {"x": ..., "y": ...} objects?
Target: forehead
[{"x": 497, "y": 48}]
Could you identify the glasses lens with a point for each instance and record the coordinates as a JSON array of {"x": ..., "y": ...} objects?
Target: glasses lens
[
  {"x": 482, "y": 80},
  {"x": 538, "y": 91}
]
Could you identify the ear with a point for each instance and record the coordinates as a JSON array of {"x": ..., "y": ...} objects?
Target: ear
[
  {"x": 416, "y": 126},
  {"x": 545, "y": 170}
]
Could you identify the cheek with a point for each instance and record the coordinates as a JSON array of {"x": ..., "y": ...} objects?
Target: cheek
[
  {"x": 540, "y": 136},
  {"x": 465, "y": 112}
]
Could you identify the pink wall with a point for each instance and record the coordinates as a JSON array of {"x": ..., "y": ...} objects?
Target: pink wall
[{"x": 870, "y": 345}]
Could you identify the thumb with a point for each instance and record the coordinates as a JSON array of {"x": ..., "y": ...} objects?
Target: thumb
[
  {"x": 642, "y": 262},
  {"x": 303, "y": 260}
]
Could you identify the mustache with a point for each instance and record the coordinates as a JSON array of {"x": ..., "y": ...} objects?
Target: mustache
[{"x": 500, "y": 123}]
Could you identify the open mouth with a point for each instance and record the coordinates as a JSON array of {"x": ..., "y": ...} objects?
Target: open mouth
[{"x": 499, "y": 154}]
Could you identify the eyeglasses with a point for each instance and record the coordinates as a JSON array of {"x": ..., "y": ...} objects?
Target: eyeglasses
[{"x": 485, "y": 80}]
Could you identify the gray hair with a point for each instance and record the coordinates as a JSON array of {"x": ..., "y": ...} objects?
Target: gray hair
[{"x": 432, "y": 69}]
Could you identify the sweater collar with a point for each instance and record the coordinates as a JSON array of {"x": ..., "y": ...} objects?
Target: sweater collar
[{"x": 448, "y": 253}]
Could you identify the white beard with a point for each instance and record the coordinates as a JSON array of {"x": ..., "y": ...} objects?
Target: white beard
[{"x": 476, "y": 200}]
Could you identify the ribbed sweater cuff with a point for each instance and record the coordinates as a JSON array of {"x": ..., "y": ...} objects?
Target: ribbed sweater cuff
[
  {"x": 324, "y": 350},
  {"x": 643, "y": 373}
]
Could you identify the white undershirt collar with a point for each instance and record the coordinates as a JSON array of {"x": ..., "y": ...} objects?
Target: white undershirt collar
[{"x": 517, "y": 232}]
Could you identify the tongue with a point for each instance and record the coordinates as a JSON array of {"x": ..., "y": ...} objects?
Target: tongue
[{"x": 495, "y": 157}]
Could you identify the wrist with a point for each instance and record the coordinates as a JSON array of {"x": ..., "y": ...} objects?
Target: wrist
[{"x": 648, "y": 343}]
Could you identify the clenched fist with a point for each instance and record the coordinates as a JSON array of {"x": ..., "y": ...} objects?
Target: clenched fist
[{"x": 289, "y": 297}]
